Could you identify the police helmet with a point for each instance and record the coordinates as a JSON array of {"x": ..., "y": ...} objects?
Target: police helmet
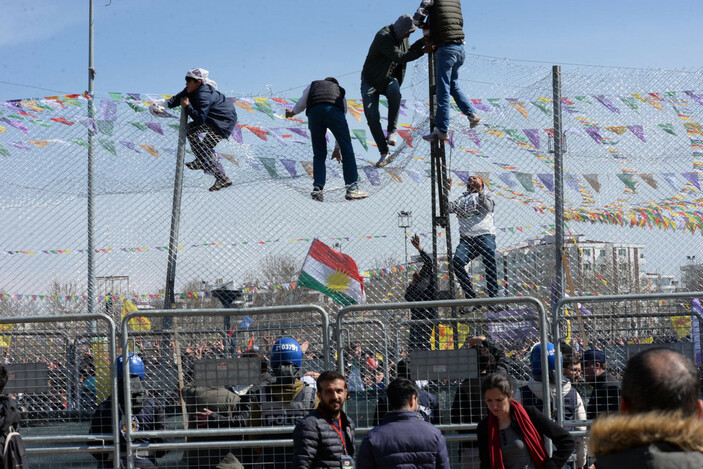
[
  {"x": 136, "y": 366},
  {"x": 286, "y": 350},
  {"x": 536, "y": 359}
]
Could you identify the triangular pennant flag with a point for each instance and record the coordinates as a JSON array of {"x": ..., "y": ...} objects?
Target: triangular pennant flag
[
  {"x": 668, "y": 128},
  {"x": 360, "y": 135},
  {"x": 695, "y": 97},
  {"x": 592, "y": 179},
  {"x": 256, "y": 131},
  {"x": 150, "y": 149},
  {"x": 692, "y": 178},
  {"x": 628, "y": 180},
  {"x": 155, "y": 126},
  {"x": 406, "y": 135},
  {"x": 649, "y": 179},
  {"x": 131, "y": 146},
  {"x": 264, "y": 107},
  {"x": 139, "y": 125},
  {"x": 507, "y": 179},
  {"x": 572, "y": 181},
  {"x": 355, "y": 113},
  {"x": 230, "y": 158},
  {"x": 372, "y": 175},
  {"x": 519, "y": 106},
  {"x": 526, "y": 180},
  {"x": 543, "y": 106},
  {"x": 290, "y": 167},
  {"x": 307, "y": 166},
  {"x": 485, "y": 177},
  {"x": 299, "y": 131},
  {"x": 39, "y": 143},
  {"x": 607, "y": 103},
  {"x": 463, "y": 175},
  {"x": 394, "y": 173},
  {"x": 547, "y": 180},
  {"x": 533, "y": 136},
  {"x": 108, "y": 145},
  {"x": 415, "y": 176},
  {"x": 637, "y": 130},
  {"x": 105, "y": 127},
  {"x": 616, "y": 129},
  {"x": 88, "y": 123},
  {"x": 270, "y": 165},
  {"x": 473, "y": 135},
  {"x": 244, "y": 105},
  {"x": 237, "y": 134},
  {"x": 108, "y": 110},
  {"x": 3, "y": 151},
  {"x": 669, "y": 177}
]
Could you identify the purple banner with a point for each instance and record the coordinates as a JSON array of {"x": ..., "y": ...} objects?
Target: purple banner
[{"x": 513, "y": 329}]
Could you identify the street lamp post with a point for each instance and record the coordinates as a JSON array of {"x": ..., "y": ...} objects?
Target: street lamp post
[{"x": 405, "y": 221}]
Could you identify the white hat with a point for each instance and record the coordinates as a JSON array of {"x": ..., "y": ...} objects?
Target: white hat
[{"x": 202, "y": 75}]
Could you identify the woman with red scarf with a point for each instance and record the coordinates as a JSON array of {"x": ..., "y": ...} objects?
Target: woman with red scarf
[{"x": 511, "y": 437}]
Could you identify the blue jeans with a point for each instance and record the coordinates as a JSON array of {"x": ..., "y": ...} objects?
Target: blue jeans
[
  {"x": 450, "y": 58},
  {"x": 321, "y": 118},
  {"x": 468, "y": 250},
  {"x": 370, "y": 96}
]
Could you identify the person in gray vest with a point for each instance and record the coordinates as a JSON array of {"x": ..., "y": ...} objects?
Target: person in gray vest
[
  {"x": 383, "y": 73},
  {"x": 325, "y": 105},
  {"x": 531, "y": 394},
  {"x": 477, "y": 231},
  {"x": 446, "y": 34}
]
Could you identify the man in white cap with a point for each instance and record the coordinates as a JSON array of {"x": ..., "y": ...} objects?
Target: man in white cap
[
  {"x": 383, "y": 73},
  {"x": 211, "y": 114}
]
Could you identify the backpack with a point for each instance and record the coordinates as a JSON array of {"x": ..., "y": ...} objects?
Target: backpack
[{"x": 14, "y": 453}]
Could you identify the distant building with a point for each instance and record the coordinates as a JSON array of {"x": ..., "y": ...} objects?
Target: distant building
[
  {"x": 692, "y": 276},
  {"x": 657, "y": 283}
]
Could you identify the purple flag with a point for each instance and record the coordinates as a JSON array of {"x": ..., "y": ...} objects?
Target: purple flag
[
  {"x": 131, "y": 146},
  {"x": 505, "y": 177},
  {"x": 415, "y": 176},
  {"x": 669, "y": 177},
  {"x": 572, "y": 182},
  {"x": 479, "y": 105},
  {"x": 135, "y": 96},
  {"x": 88, "y": 122},
  {"x": 593, "y": 132},
  {"x": 15, "y": 124},
  {"x": 19, "y": 145},
  {"x": 299, "y": 131},
  {"x": 372, "y": 175},
  {"x": 693, "y": 179},
  {"x": 637, "y": 130},
  {"x": 237, "y": 134},
  {"x": 290, "y": 167},
  {"x": 512, "y": 330},
  {"x": 155, "y": 126},
  {"x": 473, "y": 135},
  {"x": 533, "y": 135},
  {"x": 463, "y": 175},
  {"x": 695, "y": 97},
  {"x": 108, "y": 110},
  {"x": 547, "y": 180},
  {"x": 607, "y": 103},
  {"x": 450, "y": 140}
]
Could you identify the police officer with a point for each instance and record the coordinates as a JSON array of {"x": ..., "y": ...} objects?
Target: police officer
[
  {"x": 281, "y": 401},
  {"x": 147, "y": 415}
]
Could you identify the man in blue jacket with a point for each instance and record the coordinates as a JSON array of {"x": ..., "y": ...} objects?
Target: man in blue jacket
[
  {"x": 403, "y": 439},
  {"x": 383, "y": 73},
  {"x": 212, "y": 114}
]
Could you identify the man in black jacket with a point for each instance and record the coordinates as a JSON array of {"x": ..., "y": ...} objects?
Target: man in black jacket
[
  {"x": 605, "y": 398},
  {"x": 383, "y": 73},
  {"x": 422, "y": 287},
  {"x": 212, "y": 114},
  {"x": 325, "y": 438}
]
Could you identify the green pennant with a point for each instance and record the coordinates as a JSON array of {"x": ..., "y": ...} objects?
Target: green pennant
[
  {"x": 584, "y": 99},
  {"x": 134, "y": 107},
  {"x": 630, "y": 102},
  {"x": 495, "y": 102},
  {"x": 384, "y": 102},
  {"x": 116, "y": 96},
  {"x": 265, "y": 108},
  {"x": 139, "y": 125},
  {"x": 270, "y": 166},
  {"x": 628, "y": 180},
  {"x": 542, "y": 106},
  {"x": 79, "y": 141},
  {"x": 175, "y": 126},
  {"x": 668, "y": 128},
  {"x": 40, "y": 122},
  {"x": 360, "y": 135},
  {"x": 15, "y": 116},
  {"x": 526, "y": 180},
  {"x": 108, "y": 145},
  {"x": 106, "y": 127},
  {"x": 3, "y": 151}
]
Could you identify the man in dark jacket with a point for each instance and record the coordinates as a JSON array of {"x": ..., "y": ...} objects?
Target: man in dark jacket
[
  {"x": 211, "y": 114},
  {"x": 326, "y": 107},
  {"x": 325, "y": 438},
  {"x": 147, "y": 415},
  {"x": 403, "y": 439},
  {"x": 659, "y": 426},
  {"x": 446, "y": 34},
  {"x": 605, "y": 398},
  {"x": 383, "y": 73},
  {"x": 422, "y": 287}
]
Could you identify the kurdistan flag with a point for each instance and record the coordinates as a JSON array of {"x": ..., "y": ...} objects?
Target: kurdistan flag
[{"x": 333, "y": 273}]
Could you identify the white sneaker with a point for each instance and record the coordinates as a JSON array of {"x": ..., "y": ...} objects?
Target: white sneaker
[
  {"x": 385, "y": 159},
  {"x": 392, "y": 139},
  {"x": 435, "y": 135},
  {"x": 355, "y": 194}
]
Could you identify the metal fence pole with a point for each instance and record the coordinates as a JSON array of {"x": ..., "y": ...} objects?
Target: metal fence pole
[
  {"x": 91, "y": 174},
  {"x": 175, "y": 219},
  {"x": 558, "y": 182}
]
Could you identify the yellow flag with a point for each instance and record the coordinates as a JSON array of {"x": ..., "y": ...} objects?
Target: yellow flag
[
  {"x": 139, "y": 323},
  {"x": 682, "y": 326}
]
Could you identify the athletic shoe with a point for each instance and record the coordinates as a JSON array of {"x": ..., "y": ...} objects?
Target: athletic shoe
[
  {"x": 317, "y": 195},
  {"x": 220, "y": 184},
  {"x": 385, "y": 159},
  {"x": 435, "y": 135},
  {"x": 195, "y": 164},
  {"x": 355, "y": 194},
  {"x": 392, "y": 139},
  {"x": 474, "y": 120}
]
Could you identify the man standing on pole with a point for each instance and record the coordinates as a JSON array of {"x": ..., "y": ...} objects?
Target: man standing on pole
[
  {"x": 383, "y": 73},
  {"x": 446, "y": 33}
]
